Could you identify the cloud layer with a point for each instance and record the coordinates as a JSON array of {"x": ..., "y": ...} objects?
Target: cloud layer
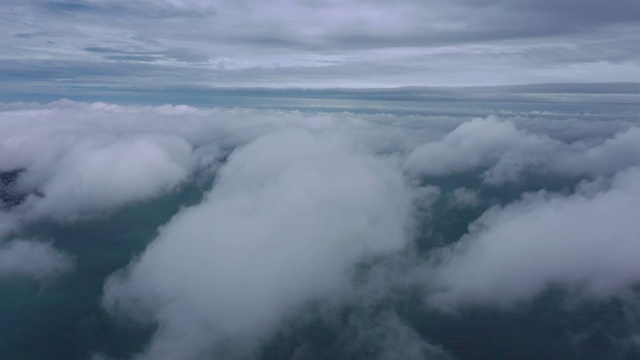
[
  {"x": 515, "y": 252},
  {"x": 505, "y": 153},
  {"x": 293, "y": 43},
  {"x": 320, "y": 207},
  {"x": 287, "y": 218}
]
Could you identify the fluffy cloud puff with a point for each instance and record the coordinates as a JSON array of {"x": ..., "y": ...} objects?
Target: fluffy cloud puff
[
  {"x": 505, "y": 152},
  {"x": 587, "y": 241},
  {"x": 104, "y": 173},
  {"x": 289, "y": 215},
  {"x": 477, "y": 143},
  {"x": 312, "y": 173},
  {"x": 85, "y": 158}
]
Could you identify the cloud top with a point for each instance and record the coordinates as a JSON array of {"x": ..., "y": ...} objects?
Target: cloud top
[
  {"x": 327, "y": 209},
  {"x": 289, "y": 216},
  {"x": 32, "y": 259}
]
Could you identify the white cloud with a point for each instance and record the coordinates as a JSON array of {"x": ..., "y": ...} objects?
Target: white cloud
[
  {"x": 479, "y": 143},
  {"x": 86, "y": 158},
  {"x": 104, "y": 173},
  {"x": 33, "y": 259},
  {"x": 289, "y": 215},
  {"x": 586, "y": 242}
]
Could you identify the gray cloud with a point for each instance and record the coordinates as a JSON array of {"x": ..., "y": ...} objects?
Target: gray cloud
[
  {"x": 287, "y": 218},
  {"x": 324, "y": 43},
  {"x": 302, "y": 198},
  {"x": 516, "y": 252},
  {"x": 505, "y": 153}
]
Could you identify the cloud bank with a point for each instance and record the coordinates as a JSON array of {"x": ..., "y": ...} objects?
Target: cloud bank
[
  {"x": 308, "y": 207},
  {"x": 586, "y": 241},
  {"x": 287, "y": 218},
  {"x": 505, "y": 153}
]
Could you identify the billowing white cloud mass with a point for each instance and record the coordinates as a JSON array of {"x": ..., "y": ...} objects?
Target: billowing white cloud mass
[
  {"x": 289, "y": 215},
  {"x": 299, "y": 200},
  {"x": 585, "y": 240},
  {"x": 479, "y": 143},
  {"x": 506, "y": 152},
  {"x": 85, "y": 158},
  {"x": 33, "y": 259},
  {"x": 104, "y": 173},
  {"x": 588, "y": 242}
]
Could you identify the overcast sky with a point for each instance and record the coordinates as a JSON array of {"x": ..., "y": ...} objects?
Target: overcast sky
[{"x": 67, "y": 44}]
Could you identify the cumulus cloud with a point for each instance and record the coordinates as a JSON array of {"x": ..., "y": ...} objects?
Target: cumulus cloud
[
  {"x": 587, "y": 242},
  {"x": 506, "y": 152},
  {"x": 33, "y": 259},
  {"x": 289, "y": 215},
  {"x": 87, "y": 158},
  {"x": 97, "y": 175},
  {"x": 478, "y": 143}
]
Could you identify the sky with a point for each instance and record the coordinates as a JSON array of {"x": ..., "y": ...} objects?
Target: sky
[{"x": 73, "y": 46}]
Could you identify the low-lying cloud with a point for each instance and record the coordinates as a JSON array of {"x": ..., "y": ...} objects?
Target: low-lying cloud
[
  {"x": 505, "y": 153},
  {"x": 585, "y": 241},
  {"x": 300, "y": 199},
  {"x": 289, "y": 216},
  {"x": 106, "y": 173}
]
